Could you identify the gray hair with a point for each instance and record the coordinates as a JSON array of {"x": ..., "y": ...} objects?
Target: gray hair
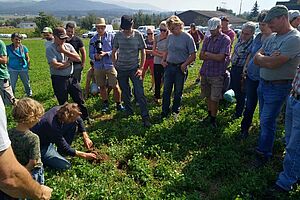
[{"x": 249, "y": 25}]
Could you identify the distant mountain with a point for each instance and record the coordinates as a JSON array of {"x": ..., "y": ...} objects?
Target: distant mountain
[
  {"x": 50, "y": 6},
  {"x": 135, "y": 6}
]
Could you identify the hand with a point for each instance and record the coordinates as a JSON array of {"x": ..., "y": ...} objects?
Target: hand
[
  {"x": 88, "y": 143},
  {"x": 90, "y": 156},
  {"x": 66, "y": 64},
  {"x": 46, "y": 192},
  {"x": 139, "y": 72},
  {"x": 164, "y": 63},
  {"x": 61, "y": 49},
  {"x": 183, "y": 68},
  {"x": 275, "y": 53}
]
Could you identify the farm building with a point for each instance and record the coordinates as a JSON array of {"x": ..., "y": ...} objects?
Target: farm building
[{"x": 291, "y": 5}]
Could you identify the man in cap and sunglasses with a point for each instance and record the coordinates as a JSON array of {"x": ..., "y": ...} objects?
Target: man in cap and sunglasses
[
  {"x": 60, "y": 56},
  {"x": 129, "y": 43},
  {"x": 278, "y": 60}
]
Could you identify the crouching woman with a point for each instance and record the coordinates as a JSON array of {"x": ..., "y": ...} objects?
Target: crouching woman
[{"x": 58, "y": 127}]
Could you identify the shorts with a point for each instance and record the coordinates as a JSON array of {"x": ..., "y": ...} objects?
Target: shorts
[
  {"x": 104, "y": 76},
  {"x": 211, "y": 87},
  {"x": 6, "y": 92}
]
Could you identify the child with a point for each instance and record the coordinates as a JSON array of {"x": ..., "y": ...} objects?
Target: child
[
  {"x": 26, "y": 145},
  {"x": 90, "y": 88}
]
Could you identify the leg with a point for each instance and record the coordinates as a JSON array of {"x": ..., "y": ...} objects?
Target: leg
[
  {"x": 123, "y": 78},
  {"x": 158, "y": 73},
  {"x": 24, "y": 76},
  {"x": 178, "y": 88},
  {"x": 236, "y": 86},
  {"x": 288, "y": 119},
  {"x": 13, "y": 79},
  {"x": 59, "y": 85},
  {"x": 169, "y": 79},
  {"x": 52, "y": 159},
  {"x": 77, "y": 72},
  {"x": 6, "y": 92}
]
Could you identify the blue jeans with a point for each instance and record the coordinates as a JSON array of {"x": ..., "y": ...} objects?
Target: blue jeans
[
  {"x": 271, "y": 98},
  {"x": 52, "y": 159},
  {"x": 291, "y": 163},
  {"x": 251, "y": 102},
  {"x": 236, "y": 77},
  {"x": 123, "y": 78},
  {"x": 38, "y": 175},
  {"x": 14, "y": 74},
  {"x": 173, "y": 76}
]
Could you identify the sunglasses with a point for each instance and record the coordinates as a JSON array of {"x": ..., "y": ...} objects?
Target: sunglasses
[
  {"x": 149, "y": 33},
  {"x": 163, "y": 30}
]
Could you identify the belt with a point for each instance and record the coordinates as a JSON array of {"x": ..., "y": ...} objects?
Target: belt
[
  {"x": 58, "y": 76},
  {"x": 295, "y": 95},
  {"x": 286, "y": 81},
  {"x": 175, "y": 64}
]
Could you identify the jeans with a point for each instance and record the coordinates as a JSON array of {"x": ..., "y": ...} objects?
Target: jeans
[
  {"x": 38, "y": 175},
  {"x": 77, "y": 71},
  {"x": 123, "y": 78},
  {"x": 291, "y": 163},
  {"x": 52, "y": 159},
  {"x": 64, "y": 85},
  {"x": 23, "y": 74},
  {"x": 158, "y": 75},
  {"x": 236, "y": 77},
  {"x": 251, "y": 102},
  {"x": 173, "y": 76},
  {"x": 271, "y": 97}
]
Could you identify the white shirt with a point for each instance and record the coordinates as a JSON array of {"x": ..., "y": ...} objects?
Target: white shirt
[{"x": 4, "y": 139}]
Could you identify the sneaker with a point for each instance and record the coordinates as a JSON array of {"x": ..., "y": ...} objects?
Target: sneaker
[
  {"x": 105, "y": 108},
  {"x": 175, "y": 116},
  {"x": 119, "y": 107},
  {"x": 146, "y": 122}
]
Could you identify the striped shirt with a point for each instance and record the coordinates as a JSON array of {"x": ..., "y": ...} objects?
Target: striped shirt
[
  {"x": 241, "y": 51},
  {"x": 219, "y": 45},
  {"x": 296, "y": 82}
]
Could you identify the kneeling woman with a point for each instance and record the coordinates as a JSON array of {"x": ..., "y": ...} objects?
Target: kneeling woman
[{"x": 58, "y": 126}]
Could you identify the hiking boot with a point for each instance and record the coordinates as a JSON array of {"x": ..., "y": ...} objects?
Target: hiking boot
[
  {"x": 175, "y": 116},
  {"x": 104, "y": 108},
  {"x": 119, "y": 107}
]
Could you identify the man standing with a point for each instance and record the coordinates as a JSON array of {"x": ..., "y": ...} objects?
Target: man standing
[
  {"x": 78, "y": 45},
  {"x": 5, "y": 86},
  {"x": 278, "y": 60},
  {"x": 15, "y": 179},
  {"x": 60, "y": 56},
  {"x": 129, "y": 42},
  {"x": 225, "y": 28},
  {"x": 215, "y": 54},
  {"x": 100, "y": 51},
  {"x": 48, "y": 36}
]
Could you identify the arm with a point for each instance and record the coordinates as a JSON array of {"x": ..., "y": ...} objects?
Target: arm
[
  {"x": 246, "y": 64},
  {"x": 16, "y": 181},
  {"x": 30, "y": 165},
  {"x": 83, "y": 56},
  {"x": 86, "y": 140},
  {"x": 72, "y": 55},
  {"x": 3, "y": 59},
  {"x": 114, "y": 56},
  {"x": 60, "y": 65},
  {"x": 271, "y": 62},
  {"x": 164, "y": 59},
  {"x": 139, "y": 71},
  {"x": 28, "y": 59},
  {"x": 212, "y": 56}
]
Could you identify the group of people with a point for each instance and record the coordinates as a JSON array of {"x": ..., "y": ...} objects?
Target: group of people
[{"x": 264, "y": 69}]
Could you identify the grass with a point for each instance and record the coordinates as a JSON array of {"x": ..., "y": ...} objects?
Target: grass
[{"x": 185, "y": 159}]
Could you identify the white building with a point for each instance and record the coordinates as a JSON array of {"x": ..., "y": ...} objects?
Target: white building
[{"x": 26, "y": 25}]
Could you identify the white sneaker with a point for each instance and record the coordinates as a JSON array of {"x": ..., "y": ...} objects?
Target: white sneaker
[{"x": 175, "y": 116}]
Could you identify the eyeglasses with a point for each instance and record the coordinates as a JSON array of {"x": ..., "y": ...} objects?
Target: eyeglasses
[
  {"x": 163, "y": 30},
  {"x": 149, "y": 33}
]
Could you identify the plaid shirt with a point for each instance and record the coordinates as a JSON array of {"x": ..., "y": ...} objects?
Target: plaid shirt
[
  {"x": 296, "y": 82},
  {"x": 219, "y": 45},
  {"x": 241, "y": 51}
]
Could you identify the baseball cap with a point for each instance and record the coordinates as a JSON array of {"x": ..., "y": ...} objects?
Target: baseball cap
[
  {"x": 293, "y": 14},
  {"x": 47, "y": 30},
  {"x": 276, "y": 11},
  {"x": 16, "y": 35},
  {"x": 60, "y": 33},
  {"x": 126, "y": 22},
  {"x": 213, "y": 23}
]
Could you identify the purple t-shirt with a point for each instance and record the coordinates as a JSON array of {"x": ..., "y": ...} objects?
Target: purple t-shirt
[{"x": 219, "y": 45}]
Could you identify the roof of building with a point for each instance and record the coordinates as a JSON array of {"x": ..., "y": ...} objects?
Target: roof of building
[{"x": 210, "y": 13}]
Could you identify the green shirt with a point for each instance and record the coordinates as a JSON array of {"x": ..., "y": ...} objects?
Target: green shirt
[
  {"x": 26, "y": 146},
  {"x": 3, "y": 68}
]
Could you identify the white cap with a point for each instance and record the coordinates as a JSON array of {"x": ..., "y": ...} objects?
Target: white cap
[
  {"x": 213, "y": 23},
  {"x": 293, "y": 14}
]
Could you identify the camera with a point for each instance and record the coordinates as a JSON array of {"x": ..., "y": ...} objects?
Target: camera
[{"x": 98, "y": 45}]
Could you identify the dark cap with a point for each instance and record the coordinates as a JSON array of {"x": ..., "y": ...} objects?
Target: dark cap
[
  {"x": 60, "y": 33},
  {"x": 192, "y": 25},
  {"x": 126, "y": 22},
  {"x": 224, "y": 18},
  {"x": 276, "y": 11},
  {"x": 16, "y": 35}
]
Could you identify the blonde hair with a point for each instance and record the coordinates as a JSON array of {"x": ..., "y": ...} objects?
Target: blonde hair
[
  {"x": 163, "y": 24},
  {"x": 68, "y": 110},
  {"x": 174, "y": 20},
  {"x": 27, "y": 110}
]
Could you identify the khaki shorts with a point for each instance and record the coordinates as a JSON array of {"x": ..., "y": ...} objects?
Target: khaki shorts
[
  {"x": 104, "y": 76},
  {"x": 211, "y": 87},
  {"x": 6, "y": 92}
]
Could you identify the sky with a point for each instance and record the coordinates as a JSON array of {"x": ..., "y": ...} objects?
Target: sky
[{"x": 181, "y": 5}]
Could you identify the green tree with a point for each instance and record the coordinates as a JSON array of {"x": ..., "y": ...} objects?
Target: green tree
[
  {"x": 254, "y": 12},
  {"x": 44, "y": 20},
  {"x": 86, "y": 22}
]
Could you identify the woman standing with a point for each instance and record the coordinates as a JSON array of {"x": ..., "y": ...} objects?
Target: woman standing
[
  {"x": 18, "y": 63},
  {"x": 159, "y": 47},
  {"x": 181, "y": 51}
]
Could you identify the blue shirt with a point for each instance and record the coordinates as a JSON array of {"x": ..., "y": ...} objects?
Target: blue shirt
[
  {"x": 17, "y": 57},
  {"x": 105, "y": 62},
  {"x": 51, "y": 130},
  {"x": 253, "y": 69}
]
